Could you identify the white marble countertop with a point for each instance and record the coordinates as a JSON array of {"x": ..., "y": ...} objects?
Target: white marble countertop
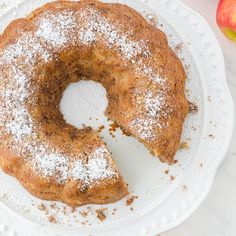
[{"x": 216, "y": 216}]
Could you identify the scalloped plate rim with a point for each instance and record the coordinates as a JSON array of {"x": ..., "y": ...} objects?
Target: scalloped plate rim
[{"x": 213, "y": 170}]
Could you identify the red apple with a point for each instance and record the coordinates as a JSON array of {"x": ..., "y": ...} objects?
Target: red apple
[{"x": 226, "y": 18}]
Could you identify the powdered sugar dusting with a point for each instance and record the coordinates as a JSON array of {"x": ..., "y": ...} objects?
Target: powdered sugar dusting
[
  {"x": 155, "y": 77},
  {"x": 97, "y": 26},
  {"x": 51, "y": 163},
  {"x": 153, "y": 111},
  {"x": 55, "y": 32},
  {"x": 143, "y": 128},
  {"x": 22, "y": 54},
  {"x": 20, "y": 58},
  {"x": 55, "y": 29},
  {"x": 154, "y": 103},
  {"x": 95, "y": 168}
]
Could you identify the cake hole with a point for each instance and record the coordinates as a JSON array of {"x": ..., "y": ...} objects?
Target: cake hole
[{"x": 84, "y": 103}]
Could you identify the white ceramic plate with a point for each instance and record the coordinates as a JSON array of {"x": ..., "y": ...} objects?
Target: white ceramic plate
[{"x": 163, "y": 201}]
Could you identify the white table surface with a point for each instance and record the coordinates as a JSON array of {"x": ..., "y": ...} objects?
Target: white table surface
[{"x": 217, "y": 215}]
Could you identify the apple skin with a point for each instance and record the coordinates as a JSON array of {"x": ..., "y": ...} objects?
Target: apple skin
[{"x": 226, "y": 18}]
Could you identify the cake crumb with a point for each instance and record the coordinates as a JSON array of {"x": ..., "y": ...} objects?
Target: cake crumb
[
  {"x": 101, "y": 214},
  {"x": 64, "y": 210},
  {"x": 101, "y": 128},
  {"x": 178, "y": 48},
  {"x": 193, "y": 108},
  {"x": 54, "y": 206},
  {"x": 167, "y": 171},
  {"x": 130, "y": 200},
  {"x": 175, "y": 161},
  {"x": 114, "y": 211},
  {"x": 184, "y": 145},
  {"x": 52, "y": 219},
  {"x": 83, "y": 213},
  {"x": 41, "y": 207},
  {"x": 172, "y": 178},
  {"x": 73, "y": 210},
  {"x": 113, "y": 128},
  {"x": 131, "y": 208},
  {"x": 211, "y": 136}
]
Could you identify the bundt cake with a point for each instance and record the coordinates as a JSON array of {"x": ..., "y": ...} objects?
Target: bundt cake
[{"x": 64, "y": 42}]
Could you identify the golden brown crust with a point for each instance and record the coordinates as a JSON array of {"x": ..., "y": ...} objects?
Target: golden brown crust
[
  {"x": 125, "y": 86},
  {"x": 70, "y": 193}
]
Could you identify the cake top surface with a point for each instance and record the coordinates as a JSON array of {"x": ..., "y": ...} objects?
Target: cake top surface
[{"x": 55, "y": 31}]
